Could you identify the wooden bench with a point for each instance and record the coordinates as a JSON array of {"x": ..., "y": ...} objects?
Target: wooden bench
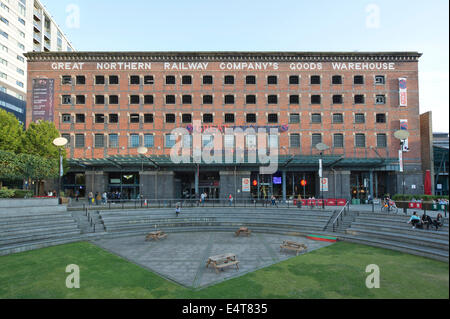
[
  {"x": 292, "y": 245},
  {"x": 243, "y": 230},
  {"x": 222, "y": 261},
  {"x": 156, "y": 235}
]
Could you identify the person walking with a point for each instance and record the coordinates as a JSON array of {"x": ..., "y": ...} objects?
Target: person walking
[
  {"x": 90, "y": 196},
  {"x": 230, "y": 198},
  {"x": 177, "y": 209}
]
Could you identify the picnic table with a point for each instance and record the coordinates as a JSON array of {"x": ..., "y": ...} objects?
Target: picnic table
[
  {"x": 243, "y": 230},
  {"x": 222, "y": 261},
  {"x": 156, "y": 235},
  {"x": 292, "y": 245}
]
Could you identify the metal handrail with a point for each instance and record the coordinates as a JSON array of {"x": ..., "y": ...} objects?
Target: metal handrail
[{"x": 340, "y": 214}]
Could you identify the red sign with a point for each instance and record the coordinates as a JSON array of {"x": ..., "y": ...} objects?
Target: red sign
[{"x": 415, "y": 205}]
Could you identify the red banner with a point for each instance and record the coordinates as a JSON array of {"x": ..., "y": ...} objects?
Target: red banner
[{"x": 415, "y": 205}]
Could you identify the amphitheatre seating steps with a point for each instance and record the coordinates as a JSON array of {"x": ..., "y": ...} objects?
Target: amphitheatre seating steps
[{"x": 438, "y": 254}]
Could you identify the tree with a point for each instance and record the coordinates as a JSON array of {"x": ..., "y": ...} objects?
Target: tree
[
  {"x": 9, "y": 168},
  {"x": 38, "y": 140},
  {"x": 11, "y": 132}
]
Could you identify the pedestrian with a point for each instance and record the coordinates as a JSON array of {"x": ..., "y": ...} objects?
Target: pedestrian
[
  {"x": 230, "y": 198},
  {"x": 77, "y": 194},
  {"x": 104, "y": 198},
  {"x": 426, "y": 220},
  {"x": 438, "y": 222},
  {"x": 97, "y": 198},
  {"x": 90, "y": 198},
  {"x": 177, "y": 209},
  {"x": 414, "y": 220}
]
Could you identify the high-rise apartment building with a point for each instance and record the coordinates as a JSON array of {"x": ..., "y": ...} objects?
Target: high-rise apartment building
[{"x": 25, "y": 26}]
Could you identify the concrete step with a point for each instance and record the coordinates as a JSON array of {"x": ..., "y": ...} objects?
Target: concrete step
[
  {"x": 440, "y": 234},
  {"x": 419, "y": 241},
  {"x": 37, "y": 236},
  {"x": 30, "y": 225},
  {"x": 437, "y": 254}
]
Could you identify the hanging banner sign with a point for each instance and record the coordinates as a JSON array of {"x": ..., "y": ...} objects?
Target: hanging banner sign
[
  {"x": 246, "y": 184},
  {"x": 403, "y": 100},
  {"x": 324, "y": 184},
  {"x": 404, "y": 126},
  {"x": 400, "y": 160}
]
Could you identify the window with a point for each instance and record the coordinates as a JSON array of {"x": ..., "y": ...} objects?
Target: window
[
  {"x": 294, "y": 118},
  {"x": 66, "y": 99},
  {"x": 250, "y": 118},
  {"x": 228, "y": 141},
  {"x": 272, "y": 99},
  {"x": 79, "y": 118},
  {"x": 80, "y": 99},
  {"x": 99, "y": 79},
  {"x": 316, "y": 118},
  {"x": 113, "y": 118},
  {"x": 79, "y": 140},
  {"x": 207, "y": 99},
  {"x": 316, "y": 138},
  {"x": 20, "y": 58},
  {"x": 315, "y": 79},
  {"x": 3, "y": 33},
  {"x": 336, "y": 79},
  {"x": 80, "y": 79},
  {"x": 380, "y": 118},
  {"x": 315, "y": 99},
  {"x": 19, "y": 84},
  {"x": 134, "y": 99},
  {"x": 360, "y": 118},
  {"x": 149, "y": 140},
  {"x": 229, "y": 79},
  {"x": 99, "y": 140},
  {"x": 66, "y": 118},
  {"x": 381, "y": 140},
  {"x": 113, "y": 99},
  {"x": 186, "y": 79},
  {"x": 229, "y": 118},
  {"x": 358, "y": 79},
  {"x": 113, "y": 79},
  {"x": 379, "y": 79},
  {"x": 67, "y": 137},
  {"x": 207, "y": 118},
  {"x": 134, "y": 118},
  {"x": 148, "y": 79},
  {"x": 294, "y": 140},
  {"x": 134, "y": 140},
  {"x": 360, "y": 140},
  {"x": 3, "y": 61},
  {"x": 99, "y": 99},
  {"x": 99, "y": 118},
  {"x": 380, "y": 99},
  {"x": 272, "y": 79},
  {"x": 4, "y": 20},
  {"x": 170, "y": 118},
  {"x": 113, "y": 140},
  {"x": 170, "y": 140},
  {"x": 148, "y": 118},
  {"x": 338, "y": 140},
  {"x": 148, "y": 99},
  {"x": 186, "y": 118},
  {"x": 66, "y": 79},
  {"x": 229, "y": 99},
  {"x": 294, "y": 79},
  {"x": 338, "y": 118},
  {"x": 337, "y": 99},
  {"x": 294, "y": 99},
  {"x": 186, "y": 99},
  {"x": 272, "y": 118},
  {"x": 170, "y": 99},
  {"x": 207, "y": 79},
  {"x": 359, "y": 99},
  {"x": 135, "y": 79},
  {"x": 187, "y": 140},
  {"x": 250, "y": 79},
  {"x": 21, "y": 20},
  {"x": 170, "y": 79},
  {"x": 250, "y": 99}
]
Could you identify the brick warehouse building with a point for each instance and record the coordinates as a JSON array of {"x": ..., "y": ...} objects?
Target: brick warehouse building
[{"x": 107, "y": 104}]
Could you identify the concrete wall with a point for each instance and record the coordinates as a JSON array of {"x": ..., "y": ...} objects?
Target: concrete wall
[
  {"x": 157, "y": 184},
  {"x": 229, "y": 182}
]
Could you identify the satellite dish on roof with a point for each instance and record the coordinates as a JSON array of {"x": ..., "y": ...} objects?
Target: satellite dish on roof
[
  {"x": 401, "y": 134},
  {"x": 322, "y": 146}
]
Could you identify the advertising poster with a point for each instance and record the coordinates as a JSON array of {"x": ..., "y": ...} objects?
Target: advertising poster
[{"x": 42, "y": 107}]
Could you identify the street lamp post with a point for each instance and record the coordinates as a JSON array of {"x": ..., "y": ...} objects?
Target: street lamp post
[
  {"x": 60, "y": 142},
  {"x": 142, "y": 150},
  {"x": 321, "y": 147},
  {"x": 401, "y": 135}
]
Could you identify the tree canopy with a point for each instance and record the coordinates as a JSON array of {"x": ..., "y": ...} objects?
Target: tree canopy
[{"x": 11, "y": 132}]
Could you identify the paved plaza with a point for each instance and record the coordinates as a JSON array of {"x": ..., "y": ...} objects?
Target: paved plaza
[{"x": 182, "y": 257}]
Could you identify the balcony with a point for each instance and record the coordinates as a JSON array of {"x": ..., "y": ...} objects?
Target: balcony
[
  {"x": 37, "y": 27},
  {"x": 37, "y": 15},
  {"x": 37, "y": 48},
  {"x": 47, "y": 46},
  {"x": 37, "y": 38},
  {"x": 47, "y": 35}
]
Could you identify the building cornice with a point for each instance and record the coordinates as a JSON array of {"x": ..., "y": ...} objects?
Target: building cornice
[{"x": 224, "y": 56}]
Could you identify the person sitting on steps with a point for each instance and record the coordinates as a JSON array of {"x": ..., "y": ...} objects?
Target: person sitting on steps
[
  {"x": 426, "y": 220},
  {"x": 414, "y": 220}
]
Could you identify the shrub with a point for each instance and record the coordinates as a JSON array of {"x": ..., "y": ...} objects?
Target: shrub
[
  {"x": 6, "y": 193},
  {"x": 21, "y": 193}
]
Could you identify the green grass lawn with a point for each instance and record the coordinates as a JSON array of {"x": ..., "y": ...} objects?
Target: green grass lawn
[{"x": 336, "y": 271}]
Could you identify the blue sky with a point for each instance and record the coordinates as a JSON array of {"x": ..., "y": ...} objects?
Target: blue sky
[{"x": 283, "y": 25}]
